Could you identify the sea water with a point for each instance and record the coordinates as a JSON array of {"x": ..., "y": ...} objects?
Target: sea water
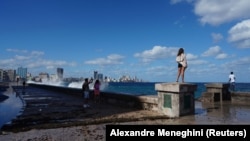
[
  {"x": 10, "y": 108},
  {"x": 146, "y": 88}
]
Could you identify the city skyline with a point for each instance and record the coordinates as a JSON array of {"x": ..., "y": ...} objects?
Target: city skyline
[
  {"x": 22, "y": 74},
  {"x": 127, "y": 37}
]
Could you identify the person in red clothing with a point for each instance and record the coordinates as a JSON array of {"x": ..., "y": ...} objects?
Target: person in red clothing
[{"x": 97, "y": 91}]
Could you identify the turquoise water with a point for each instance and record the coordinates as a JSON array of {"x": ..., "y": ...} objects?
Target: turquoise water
[{"x": 148, "y": 88}]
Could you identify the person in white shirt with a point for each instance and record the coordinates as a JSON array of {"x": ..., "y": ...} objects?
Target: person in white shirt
[{"x": 232, "y": 81}]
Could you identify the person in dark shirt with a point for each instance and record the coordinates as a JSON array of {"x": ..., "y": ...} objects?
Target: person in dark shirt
[{"x": 86, "y": 90}]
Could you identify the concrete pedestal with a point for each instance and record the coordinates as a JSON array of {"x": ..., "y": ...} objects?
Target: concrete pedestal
[
  {"x": 216, "y": 92},
  {"x": 176, "y": 99}
]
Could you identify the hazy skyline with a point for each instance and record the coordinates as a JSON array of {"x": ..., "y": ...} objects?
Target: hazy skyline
[{"x": 127, "y": 37}]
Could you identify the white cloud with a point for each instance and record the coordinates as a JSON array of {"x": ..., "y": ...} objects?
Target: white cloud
[
  {"x": 19, "y": 57},
  {"x": 240, "y": 34},
  {"x": 178, "y": 1},
  {"x": 16, "y": 50},
  {"x": 157, "y": 52},
  {"x": 191, "y": 56},
  {"x": 212, "y": 51},
  {"x": 221, "y": 56},
  {"x": 31, "y": 59},
  {"x": 113, "y": 59},
  {"x": 37, "y": 53},
  {"x": 197, "y": 62},
  {"x": 216, "y": 12},
  {"x": 238, "y": 64},
  {"x": 216, "y": 37}
]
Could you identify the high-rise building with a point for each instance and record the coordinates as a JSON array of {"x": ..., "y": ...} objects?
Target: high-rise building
[
  {"x": 100, "y": 76},
  {"x": 95, "y": 74},
  {"x": 59, "y": 74},
  {"x": 22, "y": 73}
]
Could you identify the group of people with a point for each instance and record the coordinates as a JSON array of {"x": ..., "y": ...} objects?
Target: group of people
[
  {"x": 86, "y": 91},
  {"x": 182, "y": 66}
]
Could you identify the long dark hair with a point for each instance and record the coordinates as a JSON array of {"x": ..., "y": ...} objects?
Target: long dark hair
[{"x": 181, "y": 50}]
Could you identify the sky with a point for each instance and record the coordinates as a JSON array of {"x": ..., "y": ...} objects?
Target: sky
[{"x": 138, "y": 38}]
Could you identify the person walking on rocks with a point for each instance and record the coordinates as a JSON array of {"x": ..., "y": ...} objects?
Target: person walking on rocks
[{"x": 86, "y": 91}]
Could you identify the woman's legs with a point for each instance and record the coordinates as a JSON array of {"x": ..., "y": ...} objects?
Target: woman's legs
[
  {"x": 183, "y": 73},
  {"x": 178, "y": 74}
]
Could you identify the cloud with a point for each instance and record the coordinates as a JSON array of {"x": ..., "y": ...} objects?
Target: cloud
[
  {"x": 221, "y": 56},
  {"x": 238, "y": 64},
  {"x": 216, "y": 37},
  {"x": 216, "y": 12},
  {"x": 215, "y": 51},
  {"x": 48, "y": 64},
  {"x": 16, "y": 50},
  {"x": 197, "y": 62},
  {"x": 31, "y": 59},
  {"x": 157, "y": 52},
  {"x": 19, "y": 57},
  {"x": 113, "y": 59},
  {"x": 37, "y": 53},
  {"x": 191, "y": 56},
  {"x": 212, "y": 51},
  {"x": 240, "y": 34},
  {"x": 178, "y": 1}
]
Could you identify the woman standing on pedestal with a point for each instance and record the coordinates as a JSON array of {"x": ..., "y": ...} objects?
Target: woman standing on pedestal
[{"x": 182, "y": 64}]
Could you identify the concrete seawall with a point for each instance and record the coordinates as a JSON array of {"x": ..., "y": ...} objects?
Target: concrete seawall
[
  {"x": 220, "y": 92},
  {"x": 149, "y": 102},
  {"x": 242, "y": 98}
]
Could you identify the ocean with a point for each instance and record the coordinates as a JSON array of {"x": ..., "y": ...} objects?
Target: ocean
[
  {"x": 148, "y": 88},
  {"x": 131, "y": 88}
]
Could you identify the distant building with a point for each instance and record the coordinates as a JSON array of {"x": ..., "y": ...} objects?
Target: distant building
[
  {"x": 43, "y": 76},
  {"x": 22, "y": 73},
  {"x": 52, "y": 77},
  {"x": 95, "y": 74},
  {"x": 29, "y": 76},
  {"x": 1, "y": 75},
  {"x": 7, "y": 75},
  {"x": 59, "y": 74},
  {"x": 11, "y": 75},
  {"x": 100, "y": 76}
]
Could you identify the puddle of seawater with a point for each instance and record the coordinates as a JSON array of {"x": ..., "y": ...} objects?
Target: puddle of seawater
[
  {"x": 10, "y": 108},
  {"x": 38, "y": 98}
]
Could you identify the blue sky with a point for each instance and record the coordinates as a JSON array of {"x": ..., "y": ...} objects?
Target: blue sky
[{"x": 127, "y": 37}]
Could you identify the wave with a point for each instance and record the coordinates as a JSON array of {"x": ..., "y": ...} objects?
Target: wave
[{"x": 77, "y": 85}]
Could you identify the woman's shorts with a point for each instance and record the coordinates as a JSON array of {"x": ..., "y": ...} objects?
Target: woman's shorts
[{"x": 179, "y": 65}]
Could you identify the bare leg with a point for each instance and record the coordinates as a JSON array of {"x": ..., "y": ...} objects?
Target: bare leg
[
  {"x": 183, "y": 73},
  {"x": 178, "y": 74}
]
